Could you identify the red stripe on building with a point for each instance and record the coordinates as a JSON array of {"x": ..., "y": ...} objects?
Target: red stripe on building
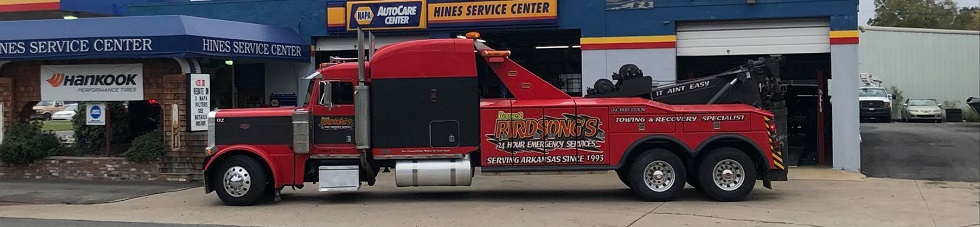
[
  {"x": 848, "y": 40},
  {"x": 615, "y": 46},
  {"x": 491, "y": 20},
  {"x": 30, "y": 7}
]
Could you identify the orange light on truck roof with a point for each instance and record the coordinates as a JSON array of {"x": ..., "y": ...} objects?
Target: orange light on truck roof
[
  {"x": 472, "y": 35},
  {"x": 495, "y": 53}
]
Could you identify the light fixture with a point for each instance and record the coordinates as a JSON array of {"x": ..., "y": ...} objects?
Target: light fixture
[
  {"x": 70, "y": 17},
  {"x": 229, "y": 62},
  {"x": 576, "y": 46}
]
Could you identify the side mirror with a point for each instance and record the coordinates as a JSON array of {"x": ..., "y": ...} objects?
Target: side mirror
[
  {"x": 326, "y": 94},
  {"x": 892, "y": 97}
]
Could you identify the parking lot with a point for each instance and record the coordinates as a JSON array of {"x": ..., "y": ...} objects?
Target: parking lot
[{"x": 923, "y": 151}]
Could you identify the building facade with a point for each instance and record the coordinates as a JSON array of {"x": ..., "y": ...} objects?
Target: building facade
[
  {"x": 574, "y": 43},
  {"x": 931, "y": 63}
]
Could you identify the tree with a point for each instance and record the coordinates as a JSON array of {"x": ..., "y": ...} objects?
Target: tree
[{"x": 938, "y": 14}]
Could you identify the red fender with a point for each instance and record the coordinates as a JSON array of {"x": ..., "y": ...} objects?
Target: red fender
[{"x": 250, "y": 149}]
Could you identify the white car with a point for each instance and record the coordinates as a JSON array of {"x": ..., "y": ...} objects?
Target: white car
[{"x": 66, "y": 114}]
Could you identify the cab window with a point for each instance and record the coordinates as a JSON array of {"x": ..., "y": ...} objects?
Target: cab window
[{"x": 343, "y": 93}]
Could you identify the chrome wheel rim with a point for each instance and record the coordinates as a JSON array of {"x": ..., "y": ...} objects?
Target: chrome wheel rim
[
  {"x": 659, "y": 176},
  {"x": 728, "y": 175},
  {"x": 237, "y": 181}
]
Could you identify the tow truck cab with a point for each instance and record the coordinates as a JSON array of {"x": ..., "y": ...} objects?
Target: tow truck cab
[{"x": 416, "y": 107}]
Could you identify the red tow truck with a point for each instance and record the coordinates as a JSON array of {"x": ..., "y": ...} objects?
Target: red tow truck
[{"x": 416, "y": 107}]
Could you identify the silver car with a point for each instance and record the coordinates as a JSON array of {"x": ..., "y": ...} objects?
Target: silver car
[{"x": 923, "y": 109}]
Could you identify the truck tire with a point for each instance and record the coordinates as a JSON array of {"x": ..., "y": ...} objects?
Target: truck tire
[
  {"x": 241, "y": 181},
  {"x": 727, "y": 174},
  {"x": 657, "y": 175}
]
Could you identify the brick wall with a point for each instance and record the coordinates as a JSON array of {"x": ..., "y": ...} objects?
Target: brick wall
[
  {"x": 162, "y": 80},
  {"x": 83, "y": 168}
]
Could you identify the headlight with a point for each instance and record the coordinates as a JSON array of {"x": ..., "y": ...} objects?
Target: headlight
[{"x": 888, "y": 105}]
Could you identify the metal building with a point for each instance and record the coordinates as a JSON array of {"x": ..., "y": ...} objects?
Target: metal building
[{"x": 923, "y": 63}]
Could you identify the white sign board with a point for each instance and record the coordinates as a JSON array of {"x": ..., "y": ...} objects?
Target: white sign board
[
  {"x": 95, "y": 113},
  {"x": 198, "y": 101},
  {"x": 109, "y": 82}
]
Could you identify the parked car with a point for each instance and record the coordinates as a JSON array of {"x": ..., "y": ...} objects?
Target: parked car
[
  {"x": 44, "y": 109},
  {"x": 875, "y": 103},
  {"x": 923, "y": 109},
  {"x": 66, "y": 114}
]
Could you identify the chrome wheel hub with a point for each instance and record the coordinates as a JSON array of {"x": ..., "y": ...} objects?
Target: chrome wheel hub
[
  {"x": 728, "y": 175},
  {"x": 237, "y": 181},
  {"x": 659, "y": 176}
]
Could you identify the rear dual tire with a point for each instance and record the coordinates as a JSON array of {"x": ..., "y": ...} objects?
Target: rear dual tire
[
  {"x": 656, "y": 175},
  {"x": 726, "y": 174}
]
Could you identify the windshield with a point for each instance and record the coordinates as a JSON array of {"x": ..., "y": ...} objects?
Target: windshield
[
  {"x": 872, "y": 92},
  {"x": 923, "y": 102},
  {"x": 309, "y": 90},
  {"x": 71, "y": 107},
  {"x": 45, "y": 103}
]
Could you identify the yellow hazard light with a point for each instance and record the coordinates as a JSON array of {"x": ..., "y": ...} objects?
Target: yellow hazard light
[
  {"x": 495, "y": 53},
  {"x": 472, "y": 35}
]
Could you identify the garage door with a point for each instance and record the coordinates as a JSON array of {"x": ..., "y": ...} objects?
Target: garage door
[
  {"x": 753, "y": 37},
  {"x": 350, "y": 43}
]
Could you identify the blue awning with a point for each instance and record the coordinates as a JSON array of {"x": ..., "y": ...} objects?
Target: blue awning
[{"x": 149, "y": 37}]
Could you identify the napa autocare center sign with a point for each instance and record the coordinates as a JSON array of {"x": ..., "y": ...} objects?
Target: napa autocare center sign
[
  {"x": 198, "y": 101},
  {"x": 459, "y": 14},
  {"x": 96, "y": 82},
  {"x": 385, "y": 15}
]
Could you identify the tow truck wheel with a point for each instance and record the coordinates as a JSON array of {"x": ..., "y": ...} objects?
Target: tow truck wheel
[
  {"x": 242, "y": 181},
  {"x": 657, "y": 175},
  {"x": 727, "y": 174}
]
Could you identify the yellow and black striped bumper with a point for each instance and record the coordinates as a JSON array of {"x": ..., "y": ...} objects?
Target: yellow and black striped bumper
[{"x": 775, "y": 146}]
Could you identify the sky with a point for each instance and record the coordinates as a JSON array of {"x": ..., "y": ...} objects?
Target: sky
[{"x": 867, "y": 9}]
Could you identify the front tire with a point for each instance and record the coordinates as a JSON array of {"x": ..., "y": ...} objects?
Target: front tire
[
  {"x": 727, "y": 174},
  {"x": 657, "y": 175},
  {"x": 241, "y": 181}
]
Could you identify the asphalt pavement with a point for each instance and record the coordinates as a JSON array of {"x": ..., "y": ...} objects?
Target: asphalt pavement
[
  {"x": 18, "y": 191},
  {"x": 921, "y": 151}
]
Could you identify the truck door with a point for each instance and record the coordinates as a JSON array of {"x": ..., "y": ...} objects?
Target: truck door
[{"x": 333, "y": 124}]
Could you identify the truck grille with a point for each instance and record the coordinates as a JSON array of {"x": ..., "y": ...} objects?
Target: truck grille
[{"x": 872, "y": 104}]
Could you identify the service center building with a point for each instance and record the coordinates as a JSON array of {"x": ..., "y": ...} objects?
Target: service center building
[{"x": 574, "y": 43}]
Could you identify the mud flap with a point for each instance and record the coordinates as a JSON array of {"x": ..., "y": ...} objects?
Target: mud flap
[
  {"x": 208, "y": 187},
  {"x": 765, "y": 178}
]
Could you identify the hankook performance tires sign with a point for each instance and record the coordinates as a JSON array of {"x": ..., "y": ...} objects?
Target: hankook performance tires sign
[{"x": 109, "y": 82}]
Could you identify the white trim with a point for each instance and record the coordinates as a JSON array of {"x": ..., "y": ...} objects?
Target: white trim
[{"x": 919, "y": 30}]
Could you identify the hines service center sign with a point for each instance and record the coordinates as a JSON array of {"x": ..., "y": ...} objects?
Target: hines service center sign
[{"x": 109, "y": 82}]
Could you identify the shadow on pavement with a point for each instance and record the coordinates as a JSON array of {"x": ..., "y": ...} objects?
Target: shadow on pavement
[
  {"x": 17, "y": 191},
  {"x": 496, "y": 195}
]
